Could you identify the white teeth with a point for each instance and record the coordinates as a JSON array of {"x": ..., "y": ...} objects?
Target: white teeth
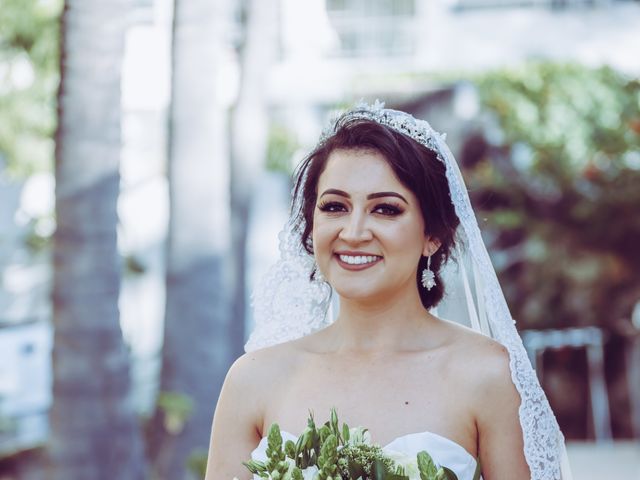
[{"x": 358, "y": 259}]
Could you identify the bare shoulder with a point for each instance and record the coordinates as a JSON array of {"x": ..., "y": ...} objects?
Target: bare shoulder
[
  {"x": 483, "y": 362},
  {"x": 259, "y": 368},
  {"x": 240, "y": 410},
  {"x": 484, "y": 366}
]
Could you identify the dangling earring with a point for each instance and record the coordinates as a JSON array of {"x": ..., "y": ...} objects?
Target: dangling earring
[{"x": 428, "y": 277}]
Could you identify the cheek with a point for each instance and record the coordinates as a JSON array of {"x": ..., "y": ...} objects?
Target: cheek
[
  {"x": 318, "y": 235},
  {"x": 409, "y": 239},
  {"x": 324, "y": 233}
]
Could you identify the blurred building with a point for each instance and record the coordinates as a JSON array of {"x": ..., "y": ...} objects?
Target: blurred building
[{"x": 336, "y": 51}]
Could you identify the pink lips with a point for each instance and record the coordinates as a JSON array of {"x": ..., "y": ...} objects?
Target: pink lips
[{"x": 357, "y": 267}]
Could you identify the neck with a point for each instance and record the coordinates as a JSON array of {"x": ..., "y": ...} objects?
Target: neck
[{"x": 383, "y": 326}]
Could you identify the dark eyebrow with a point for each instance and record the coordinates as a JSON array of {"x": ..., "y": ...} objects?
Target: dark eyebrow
[
  {"x": 387, "y": 194},
  {"x": 369, "y": 197}
]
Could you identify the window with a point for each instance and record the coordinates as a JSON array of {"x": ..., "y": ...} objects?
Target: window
[{"x": 369, "y": 28}]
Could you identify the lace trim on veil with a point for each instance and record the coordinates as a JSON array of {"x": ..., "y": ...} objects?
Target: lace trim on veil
[{"x": 543, "y": 441}]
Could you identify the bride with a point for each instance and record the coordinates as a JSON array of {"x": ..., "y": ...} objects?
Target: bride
[{"x": 422, "y": 349}]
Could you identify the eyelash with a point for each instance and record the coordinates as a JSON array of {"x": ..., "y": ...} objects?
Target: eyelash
[{"x": 390, "y": 209}]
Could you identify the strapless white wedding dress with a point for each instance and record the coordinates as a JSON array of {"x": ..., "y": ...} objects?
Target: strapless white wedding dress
[{"x": 444, "y": 452}]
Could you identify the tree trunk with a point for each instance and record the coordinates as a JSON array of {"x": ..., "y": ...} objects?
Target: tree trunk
[
  {"x": 249, "y": 120},
  {"x": 94, "y": 430},
  {"x": 197, "y": 351}
]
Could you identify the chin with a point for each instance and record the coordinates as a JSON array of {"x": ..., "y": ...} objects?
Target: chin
[{"x": 356, "y": 292}]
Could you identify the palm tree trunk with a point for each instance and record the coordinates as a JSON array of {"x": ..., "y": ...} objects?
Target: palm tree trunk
[
  {"x": 94, "y": 430},
  {"x": 249, "y": 119},
  {"x": 196, "y": 352}
]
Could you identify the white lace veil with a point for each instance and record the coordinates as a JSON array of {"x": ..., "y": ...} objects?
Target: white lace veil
[{"x": 287, "y": 305}]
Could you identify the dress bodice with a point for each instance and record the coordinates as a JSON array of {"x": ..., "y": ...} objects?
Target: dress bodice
[{"x": 444, "y": 451}]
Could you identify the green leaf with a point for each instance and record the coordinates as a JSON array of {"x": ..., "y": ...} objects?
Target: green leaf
[
  {"x": 345, "y": 432},
  {"x": 355, "y": 470},
  {"x": 324, "y": 433},
  {"x": 301, "y": 443},
  {"x": 330, "y": 445},
  {"x": 255, "y": 466},
  {"x": 378, "y": 471},
  {"x": 310, "y": 423},
  {"x": 290, "y": 449},
  {"x": 334, "y": 422},
  {"x": 274, "y": 438},
  {"x": 426, "y": 466}
]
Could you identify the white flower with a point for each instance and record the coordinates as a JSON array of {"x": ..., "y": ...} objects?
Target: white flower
[
  {"x": 310, "y": 473},
  {"x": 408, "y": 462},
  {"x": 359, "y": 435}
]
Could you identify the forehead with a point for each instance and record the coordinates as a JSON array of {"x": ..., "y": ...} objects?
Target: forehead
[{"x": 359, "y": 171}]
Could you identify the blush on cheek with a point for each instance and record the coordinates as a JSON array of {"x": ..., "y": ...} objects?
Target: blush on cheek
[{"x": 413, "y": 235}]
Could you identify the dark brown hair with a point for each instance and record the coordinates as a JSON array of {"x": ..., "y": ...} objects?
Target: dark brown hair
[{"x": 415, "y": 166}]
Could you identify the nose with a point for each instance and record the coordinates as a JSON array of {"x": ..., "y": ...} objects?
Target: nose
[{"x": 355, "y": 229}]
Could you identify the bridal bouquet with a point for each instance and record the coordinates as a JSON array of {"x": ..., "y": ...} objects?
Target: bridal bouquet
[{"x": 333, "y": 453}]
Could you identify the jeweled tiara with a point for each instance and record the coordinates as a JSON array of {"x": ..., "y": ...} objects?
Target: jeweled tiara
[{"x": 401, "y": 122}]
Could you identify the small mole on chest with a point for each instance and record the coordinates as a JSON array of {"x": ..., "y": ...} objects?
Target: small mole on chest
[{"x": 406, "y": 403}]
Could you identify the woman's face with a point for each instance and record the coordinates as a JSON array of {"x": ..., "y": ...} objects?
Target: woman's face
[{"x": 368, "y": 230}]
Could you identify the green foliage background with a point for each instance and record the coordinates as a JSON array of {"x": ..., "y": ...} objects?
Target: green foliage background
[
  {"x": 29, "y": 76},
  {"x": 280, "y": 149},
  {"x": 558, "y": 181}
]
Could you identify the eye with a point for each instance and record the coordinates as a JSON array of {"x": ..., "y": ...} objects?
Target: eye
[
  {"x": 387, "y": 209},
  {"x": 332, "y": 207}
]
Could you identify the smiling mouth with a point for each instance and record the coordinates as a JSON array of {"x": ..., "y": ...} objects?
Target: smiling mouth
[{"x": 357, "y": 262}]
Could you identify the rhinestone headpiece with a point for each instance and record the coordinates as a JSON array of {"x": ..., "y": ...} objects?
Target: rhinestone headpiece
[{"x": 401, "y": 122}]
